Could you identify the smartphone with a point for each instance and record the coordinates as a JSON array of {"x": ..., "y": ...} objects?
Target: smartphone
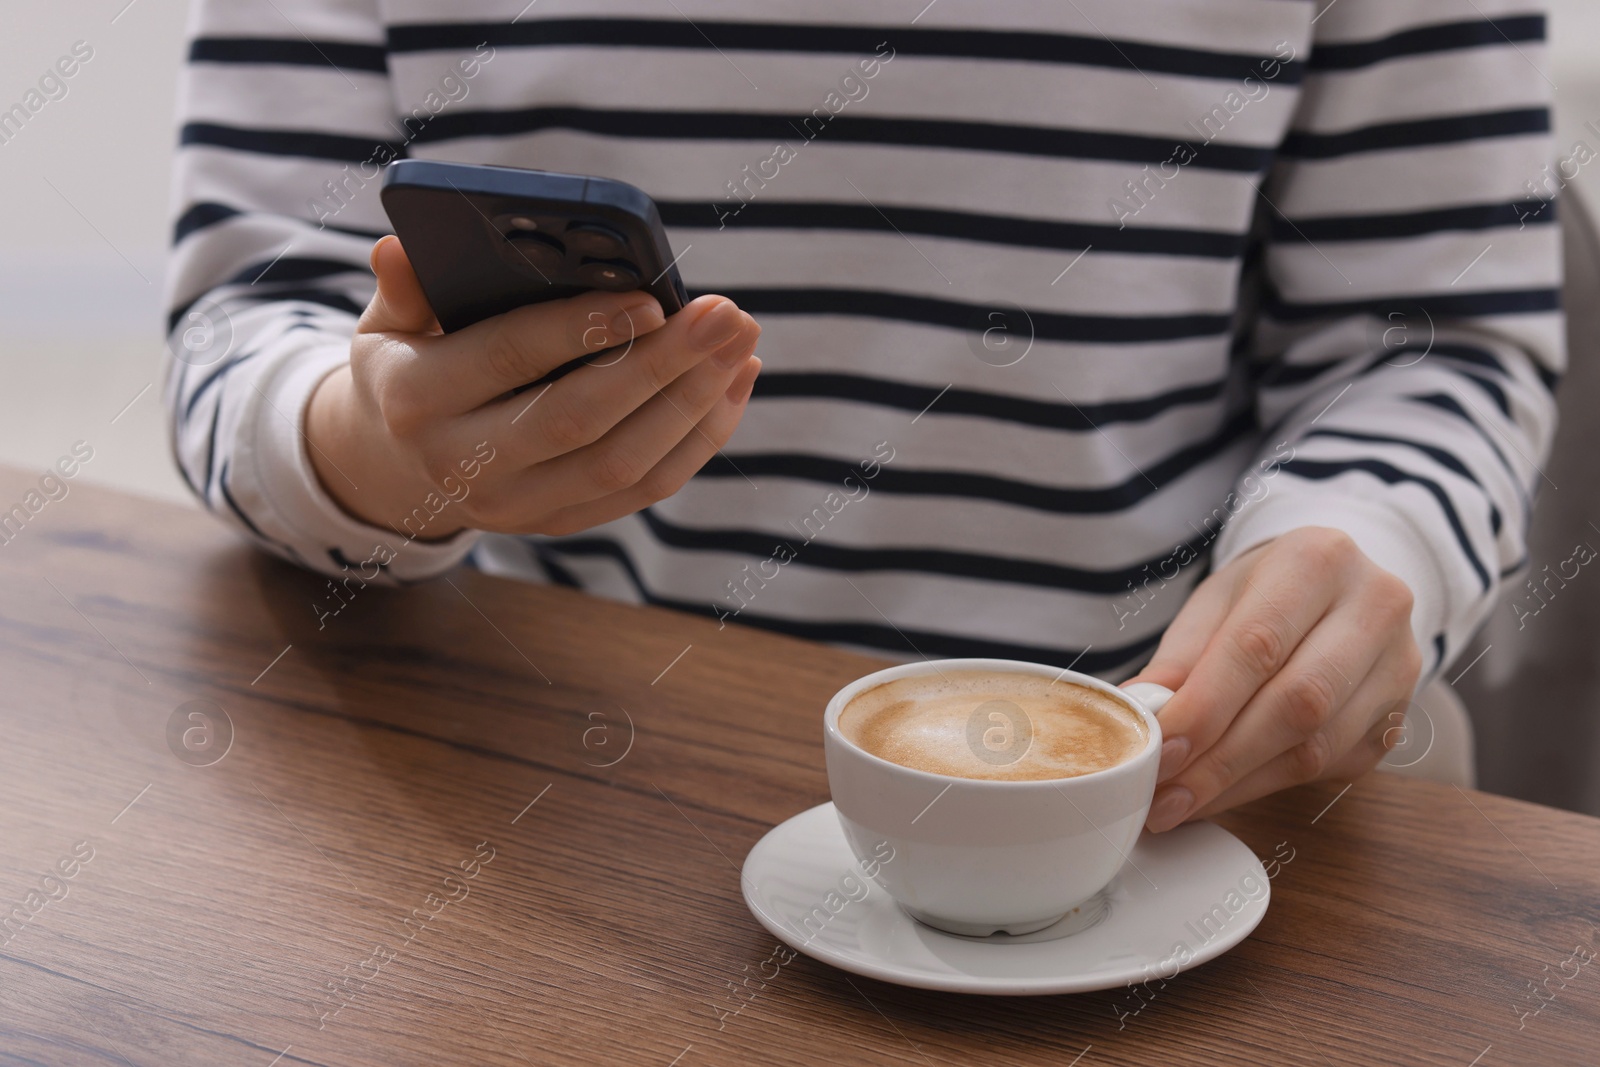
[{"x": 486, "y": 239}]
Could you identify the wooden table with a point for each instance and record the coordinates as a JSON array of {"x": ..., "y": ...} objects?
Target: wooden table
[{"x": 435, "y": 839}]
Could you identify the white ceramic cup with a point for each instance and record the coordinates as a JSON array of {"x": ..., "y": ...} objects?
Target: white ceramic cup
[{"x": 975, "y": 856}]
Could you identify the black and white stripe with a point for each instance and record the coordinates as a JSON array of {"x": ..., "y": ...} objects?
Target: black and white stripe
[{"x": 1240, "y": 309}]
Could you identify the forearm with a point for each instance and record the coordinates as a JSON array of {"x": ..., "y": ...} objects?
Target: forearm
[
  {"x": 269, "y": 269},
  {"x": 239, "y": 438},
  {"x": 1423, "y": 468},
  {"x": 1410, "y": 330}
]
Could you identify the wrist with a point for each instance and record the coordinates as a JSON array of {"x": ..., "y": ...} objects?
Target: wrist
[{"x": 358, "y": 474}]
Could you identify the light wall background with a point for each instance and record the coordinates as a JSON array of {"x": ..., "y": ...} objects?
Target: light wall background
[{"x": 83, "y": 225}]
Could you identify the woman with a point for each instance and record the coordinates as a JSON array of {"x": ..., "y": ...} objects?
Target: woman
[{"x": 1212, "y": 339}]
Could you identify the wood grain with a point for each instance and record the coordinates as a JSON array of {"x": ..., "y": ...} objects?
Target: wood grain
[{"x": 402, "y": 743}]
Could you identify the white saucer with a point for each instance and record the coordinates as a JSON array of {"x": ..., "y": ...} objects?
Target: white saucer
[{"x": 1197, "y": 886}]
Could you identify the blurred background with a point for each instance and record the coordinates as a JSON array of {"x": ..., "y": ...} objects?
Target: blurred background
[{"x": 83, "y": 235}]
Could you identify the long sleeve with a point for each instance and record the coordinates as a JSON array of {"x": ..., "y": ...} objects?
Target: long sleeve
[
  {"x": 1410, "y": 335},
  {"x": 287, "y": 114}
]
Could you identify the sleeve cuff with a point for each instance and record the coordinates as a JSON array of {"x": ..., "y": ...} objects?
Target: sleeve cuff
[
  {"x": 1384, "y": 536},
  {"x": 315, "y": 524}
]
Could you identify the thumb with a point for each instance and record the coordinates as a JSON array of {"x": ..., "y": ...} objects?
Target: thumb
[{"x": 399, "y": 304}]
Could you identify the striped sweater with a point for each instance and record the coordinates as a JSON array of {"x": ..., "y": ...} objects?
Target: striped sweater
[{"x": 1063, "y": 304}]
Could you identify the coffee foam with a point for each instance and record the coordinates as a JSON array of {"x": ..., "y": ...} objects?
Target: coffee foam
[{"x": 938, "y": 723}]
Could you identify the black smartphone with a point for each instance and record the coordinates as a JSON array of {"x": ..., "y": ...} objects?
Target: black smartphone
[{"x": 486, "y": 239}]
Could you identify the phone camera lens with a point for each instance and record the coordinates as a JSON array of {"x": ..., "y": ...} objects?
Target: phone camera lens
[
  {"x": 614, "y": 274},
  {"x": 592, "y": 239},
  {"x": 543, "y": 254},
  {"x": 522, "y": 222}
]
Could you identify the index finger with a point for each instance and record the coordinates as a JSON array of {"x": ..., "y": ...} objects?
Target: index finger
[
  {"x": 1268, "y": 621},
  {"x": 464, "y": 370}
]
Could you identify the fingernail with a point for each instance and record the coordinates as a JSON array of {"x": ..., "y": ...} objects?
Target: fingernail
[
  {"x": 744, "y": 384},
  {"x": 715, "y": 326},
  {"x": 1169, "y": 809},
  {"x": 632, "y": 321},
  {"x": 1174, "y": 752}
]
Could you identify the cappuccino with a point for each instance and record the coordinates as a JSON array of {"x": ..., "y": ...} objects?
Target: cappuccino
[{"x": 998, "y": 725}]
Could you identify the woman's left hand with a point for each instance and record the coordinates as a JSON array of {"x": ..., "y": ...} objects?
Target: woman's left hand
[{"x": 1293, "y": 663}]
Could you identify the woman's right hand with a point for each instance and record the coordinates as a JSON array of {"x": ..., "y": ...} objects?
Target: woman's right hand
[{"x": 414, "y": 404}]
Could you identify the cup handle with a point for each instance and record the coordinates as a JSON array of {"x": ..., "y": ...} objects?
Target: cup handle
[{"x": 1154, "y": 697}]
